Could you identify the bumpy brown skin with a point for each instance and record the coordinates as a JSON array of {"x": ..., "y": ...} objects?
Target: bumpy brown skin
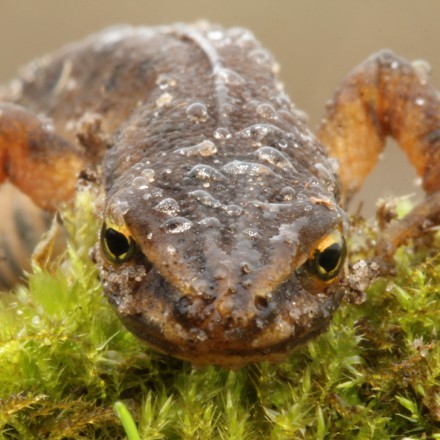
[{"x": 222, "y": 187}]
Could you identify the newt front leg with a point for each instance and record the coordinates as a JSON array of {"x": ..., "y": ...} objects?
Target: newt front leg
[
  {"x": 387, "y": 96},
  {"x": 34, "y": 158}
]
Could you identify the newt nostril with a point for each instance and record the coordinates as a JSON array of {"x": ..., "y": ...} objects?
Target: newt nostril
[{"x": 261, "y": 303}]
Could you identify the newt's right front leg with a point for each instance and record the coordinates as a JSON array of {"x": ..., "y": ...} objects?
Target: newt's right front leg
[
  {"x": 34, "y": 158},
  {"x": 387, "y": 96}
]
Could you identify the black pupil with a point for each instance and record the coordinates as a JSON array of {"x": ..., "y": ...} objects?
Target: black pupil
[
  {"x": 116, "y": 242},
  {"x": 329, "y": 258}
]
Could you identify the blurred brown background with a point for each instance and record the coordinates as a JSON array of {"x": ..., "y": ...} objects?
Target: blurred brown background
[{"x": 316, "y": 43}]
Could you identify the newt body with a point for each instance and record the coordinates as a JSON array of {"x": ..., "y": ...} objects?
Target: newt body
[{"x": 222, "y": 237}]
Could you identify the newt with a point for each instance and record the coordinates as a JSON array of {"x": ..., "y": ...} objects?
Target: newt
[{"x": 224, "y": 223}]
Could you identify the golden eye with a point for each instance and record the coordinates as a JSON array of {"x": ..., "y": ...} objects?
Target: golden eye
[
  {"x": 117, "y": 245},
  {"x": 329, "y": 256}
]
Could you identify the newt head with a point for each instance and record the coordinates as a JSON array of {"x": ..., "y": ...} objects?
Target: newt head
[{"x": 235, "y": 268}]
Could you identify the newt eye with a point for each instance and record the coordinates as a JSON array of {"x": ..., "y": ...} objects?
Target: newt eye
[
  {"x": 329, "y": 256},
  {"x": 116, "y": 245}
]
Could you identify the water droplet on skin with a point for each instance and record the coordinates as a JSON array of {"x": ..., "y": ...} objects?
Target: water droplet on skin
[
  {"x": 237, "y": 167},
  {"x": 210, "y": 222},
  {"x": 222, "y": 134},
  {"x": 165, "y": 174},
  {"x": 242, "y": 37},
  {"x": 283, "y": 101},
  {"x": 325, "y": 174},
  {"x": 164, "y": 82},
  {"x": 205, "y": 198},
  {"x": 177, "y": 225},
  {"x": 283, "y": 144},
  {"x": 205, "y": 172},
  {"x": 275, "y": 157},
  {"x": 312, "y": 183},
  {"x": 420, "y": 101},
  {"x": 206, "y": 148},
  {"x": 138, "y": 167},
  {"x": 230, "y": 77},
  {"x": 140, "y": 183},
  {"x": 261, "y": 56},
  {"x": 258, "y": 132},
  {"x": 117, "y": 210},
  {"x": 149, "y": 174},
  {"x": 168, "y": 206},
  {"x": 267, "y": 111},
  {"x": 233, "y": 210},
  {"x": 287, "y": 193},
  {"x": 268, "y": 209},
  {"x": 197, "y": 112}
]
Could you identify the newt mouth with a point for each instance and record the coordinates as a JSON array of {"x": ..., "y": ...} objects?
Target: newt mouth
[
  {"x": 230, "y": 332},
  {"x": 201, "y": 354}
]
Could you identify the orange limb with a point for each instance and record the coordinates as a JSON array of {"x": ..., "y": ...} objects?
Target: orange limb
[
  {"x": 387, "y": 96},
  {"x": 34, "y": 158}
]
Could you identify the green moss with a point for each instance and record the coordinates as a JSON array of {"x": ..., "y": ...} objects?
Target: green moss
[{"x": 65, "y": 360}]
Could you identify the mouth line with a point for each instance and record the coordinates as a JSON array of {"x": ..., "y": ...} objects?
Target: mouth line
[
  {"x": 229, "y": 358},
  {"x": 234, "y": 336}
]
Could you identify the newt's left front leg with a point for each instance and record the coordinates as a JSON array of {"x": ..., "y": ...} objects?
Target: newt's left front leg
[
  {"x": 34, "y": 158},
  {"x": 387, "y": 96}
]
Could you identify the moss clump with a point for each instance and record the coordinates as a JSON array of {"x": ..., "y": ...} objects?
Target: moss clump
[{"x": 65, "y": 360}]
